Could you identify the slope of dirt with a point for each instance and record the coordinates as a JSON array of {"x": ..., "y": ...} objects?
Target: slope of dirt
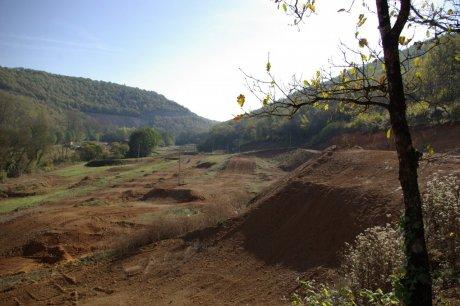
[
  {"x": 240, "y": 165},
  {"x": 443, "y": 138},
  {"x": 297, "y": 227},
  {"x": 291, "y": 160},
  {"x": 181, "y": 195}
]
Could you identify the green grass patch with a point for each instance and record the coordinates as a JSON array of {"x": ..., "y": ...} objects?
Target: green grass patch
[
  {"x": 184, "y": 211},
  {"x": 216, "y": 158},
  {"x": 76, "y": 172},
  {"x": 79, "y": 170}
]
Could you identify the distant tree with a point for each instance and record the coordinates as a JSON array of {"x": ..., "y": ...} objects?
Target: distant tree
[
  {"x": 166, "y": 139},
  {"x": 360, "y": 86},
  {"x": 90, "y": 151},
  {"x": 142, "y": 141},
  {"x": 118, "y": 135},
  {"x": 117, "y": 104},
  {"x": 25, "y": 134},
  {"x": 118, "y": 149}
]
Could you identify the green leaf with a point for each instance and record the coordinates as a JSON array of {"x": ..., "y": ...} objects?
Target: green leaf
[
  {"x": 241, "y": 99},
  {"x": 269, "y": 66}
]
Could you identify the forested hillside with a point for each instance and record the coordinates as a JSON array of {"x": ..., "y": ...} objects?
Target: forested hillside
[
  {"x": 436, "y": 101},
  {"x": 99, "y": 105}
]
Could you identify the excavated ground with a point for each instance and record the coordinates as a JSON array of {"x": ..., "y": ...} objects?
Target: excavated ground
[{"x": 297, "y": 227}]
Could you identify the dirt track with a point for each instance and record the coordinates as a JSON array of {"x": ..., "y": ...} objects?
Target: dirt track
[
  {"x": 97, "y": 220},
  {"x": 296, "y": 228}
]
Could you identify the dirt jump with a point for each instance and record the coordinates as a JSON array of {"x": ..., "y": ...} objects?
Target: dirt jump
[{"x": 297, "y": 227}]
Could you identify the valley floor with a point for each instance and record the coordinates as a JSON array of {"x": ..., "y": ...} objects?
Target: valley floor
[{"x": 59, "y": 249}]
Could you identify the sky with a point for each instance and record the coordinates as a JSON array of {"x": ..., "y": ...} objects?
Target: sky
[{"x": 191, "y": 51}]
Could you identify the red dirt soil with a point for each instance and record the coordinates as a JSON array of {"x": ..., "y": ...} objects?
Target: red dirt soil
[
  {"x": 443, "y": 138},
  {"x": 296, "y": 228}
]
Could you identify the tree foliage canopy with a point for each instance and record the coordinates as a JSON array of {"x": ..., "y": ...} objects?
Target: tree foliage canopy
[{"x": 142, "y": 141}]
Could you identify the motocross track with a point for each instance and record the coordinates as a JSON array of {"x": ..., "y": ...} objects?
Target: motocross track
[{"x": 297, "y": 227}]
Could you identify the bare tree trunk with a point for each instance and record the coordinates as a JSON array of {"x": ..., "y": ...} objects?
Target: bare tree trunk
[{"x": 417, "y": 281}]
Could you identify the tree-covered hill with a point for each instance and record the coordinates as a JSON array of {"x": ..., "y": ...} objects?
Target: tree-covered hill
[
  {"x": 436, "y": 101},
  {"x": 103, "y": 103}
]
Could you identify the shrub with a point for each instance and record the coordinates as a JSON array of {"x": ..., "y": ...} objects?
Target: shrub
[
  {"x": 104, "y": 162},
  {"x": 90, "y": 150},
  {"x": 311, "y": 293},
  {"x": 118, "y": 150},
  {"x": 373, "y": 264},
  {"x": 373, "y": 258},
  {"x": 441, "y": 212}
]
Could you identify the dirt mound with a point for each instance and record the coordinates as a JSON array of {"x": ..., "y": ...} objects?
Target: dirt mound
[
  {"x": 267, "y": 153},
  {"x": 205, "y": 165},
  {"x": 306, "y": 225},
  {"x": 19, "y": 190},
  {"x": 45, "y": 254},
  {"x": 291, "y": 160},
  {"x": 86, "y": 181},
  {"x": 240, "y": 165},
  {"x": 305, "y": 219},
  {"x": 178, "y": 195},
  {"x": 443, "y": 138}
]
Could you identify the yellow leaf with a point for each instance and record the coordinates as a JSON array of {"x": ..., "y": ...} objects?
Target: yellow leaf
[
  {"x": 361, "y": 20},
  {"x": 363, "y": 42},
  {"x": 241, "y": 99},
  {"x": 430, "y": 150},
  {"x": 268, "y": 66},
  {"x": 284, "y": 7},
  {"x": 389, "y": 133},
  {"x": 402, "y": 39},
  {"x": 382, "y": 79},
  {"x": 266, "y": 100}
]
